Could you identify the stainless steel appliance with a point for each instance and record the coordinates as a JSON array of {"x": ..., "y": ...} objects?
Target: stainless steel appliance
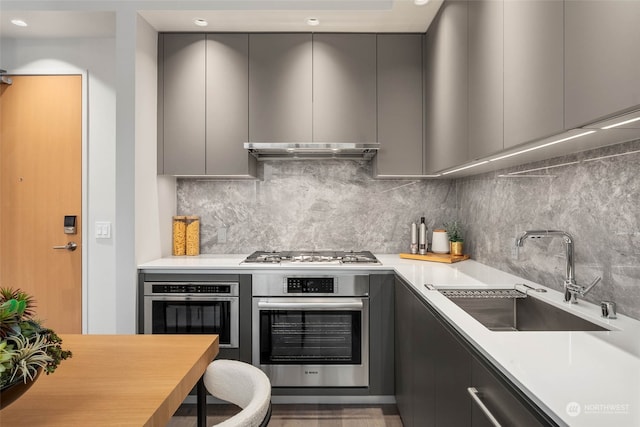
[
  {"x": 311, "y": 329},
  {"x": 195, "y": 307},
  {"x": 315, "y": 257}
]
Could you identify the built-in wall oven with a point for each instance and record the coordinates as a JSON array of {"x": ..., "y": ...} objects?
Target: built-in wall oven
[
  {"x": 311, "y": 329},
  {"x": 193, "y": 307}
]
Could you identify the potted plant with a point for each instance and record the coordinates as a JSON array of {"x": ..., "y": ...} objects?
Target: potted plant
[
  {"x": 26, "y": 347},
  {"x": 454, "y": 231}
]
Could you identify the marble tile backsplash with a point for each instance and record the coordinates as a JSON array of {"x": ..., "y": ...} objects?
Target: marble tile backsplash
[
  {"x": 313, "y": 205},
  {"x": 594, "y": 196},
  {"x": 335, "y": 204}
]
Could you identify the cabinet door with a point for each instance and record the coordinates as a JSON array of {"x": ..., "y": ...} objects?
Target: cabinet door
[
  {"x": 183, "y": 59},
  {"x": 499, "y": 401},
  {"x": 399, "y": 89},
  {"x": 424, "y": 364},
  {"x": 446, "y": 89},
  {"x": 344, "y": 88},
  {"x": 414, "y": 358},
  {"x": 403, "y": 351},
  {"x": 452, "y": 377},
  {"x": 227, "y": 105},
  {"x": 280, "y": 104},
  {"x": 602, "y": 59},
  {"x": 485, "y": 77},
  {"x": 533, "y": 70}
]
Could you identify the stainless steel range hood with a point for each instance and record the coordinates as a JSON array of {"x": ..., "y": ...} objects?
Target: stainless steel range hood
[{"x": 312, "y": 150}]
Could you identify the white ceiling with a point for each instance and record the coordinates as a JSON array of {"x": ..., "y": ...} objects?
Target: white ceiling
[{"x": 238, "y": 15}]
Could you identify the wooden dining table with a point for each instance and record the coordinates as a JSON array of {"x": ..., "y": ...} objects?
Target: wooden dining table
[{"x": 117, "y": 380}]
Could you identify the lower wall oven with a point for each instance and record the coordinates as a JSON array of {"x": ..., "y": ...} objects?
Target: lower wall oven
[{"x": 312, "y": 330}]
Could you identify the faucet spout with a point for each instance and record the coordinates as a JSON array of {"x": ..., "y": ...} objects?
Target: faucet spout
[
  {"x": 570, "y": 285},
  {"x": 568, "y": 243}
]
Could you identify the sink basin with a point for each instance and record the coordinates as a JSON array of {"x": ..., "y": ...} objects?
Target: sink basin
[{"x": 511, "y": 310}]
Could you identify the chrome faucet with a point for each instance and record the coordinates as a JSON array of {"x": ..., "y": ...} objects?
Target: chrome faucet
[{"x": 571, "y": 289}]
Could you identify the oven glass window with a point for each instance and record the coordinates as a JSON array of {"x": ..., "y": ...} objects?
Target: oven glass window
[
  {"x": 310, "y": 337},
  {"x": 193, "y": 317}
]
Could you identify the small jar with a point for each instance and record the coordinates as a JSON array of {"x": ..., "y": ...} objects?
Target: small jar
[
  {"x": 440, "y": 242},
  {"x": 179, "y": 235},
  {"x": 193, "y": 236}
]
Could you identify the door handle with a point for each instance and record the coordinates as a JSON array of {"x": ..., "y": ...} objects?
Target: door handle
[
  {"x": 70, "y": 246},
  {"x": 473, "y": 392},
  {"x": 347, "y": 305}
]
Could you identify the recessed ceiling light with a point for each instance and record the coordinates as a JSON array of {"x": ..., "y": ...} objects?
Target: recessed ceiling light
[
  {"x": 313, "y": 22},
  {"x": 19, "y": 22},
  {"x": 420, "y": 2},
  {"x": 200, "y": 22}
]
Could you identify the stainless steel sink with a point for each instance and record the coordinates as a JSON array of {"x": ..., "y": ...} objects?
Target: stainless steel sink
[{"x": 512, "y": 310}]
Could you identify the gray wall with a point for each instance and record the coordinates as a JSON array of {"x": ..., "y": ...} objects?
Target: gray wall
[
  {"x": 328, "y": 204},
  {"x": 336, "y": 205},
  {"x": 595, "y": 198}
]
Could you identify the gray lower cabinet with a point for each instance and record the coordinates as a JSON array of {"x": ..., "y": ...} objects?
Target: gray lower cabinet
[
  {"x": 486, "y": 65},
  {"x": 344, "y": 87},
  {"x": 414, "y": 371},
  {"x": 203, "y": 105},
  {"x": 436, "y": 367},
  {"x": 602, "y": 59},
  {"x": 445, "y": 88},
  {"x": 399, "y": 116},
  {"x": 432, "y": 369},
  {"x": 533, "y": 70},
  {"x": 182, "y": 103},
  {"x": 497, "y": 401},
  {"x": 280, "y": 87}
]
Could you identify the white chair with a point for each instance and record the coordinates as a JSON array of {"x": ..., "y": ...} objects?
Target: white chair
[{"x": 243, "y": 385}]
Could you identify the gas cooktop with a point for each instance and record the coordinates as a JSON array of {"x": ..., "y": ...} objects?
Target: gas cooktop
[{"x": 316, "y": 257}]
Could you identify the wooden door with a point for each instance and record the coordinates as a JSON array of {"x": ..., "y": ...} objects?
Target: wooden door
[{"x": 41, "y": 179}]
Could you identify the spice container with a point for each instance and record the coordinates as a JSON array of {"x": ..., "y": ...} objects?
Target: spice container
[
  {"x": 179, "y": 235},
  {"x": 193, "y": 235}
]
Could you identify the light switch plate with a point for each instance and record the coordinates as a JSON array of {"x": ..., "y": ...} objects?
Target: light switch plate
[
  {"x": 103, "y": 230},
  {"x": 222, "y": 234}
]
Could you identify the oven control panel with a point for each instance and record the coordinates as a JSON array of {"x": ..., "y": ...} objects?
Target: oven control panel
[
  {"x": 191, "y": 288},
  {"x": 310, "y": 285}
]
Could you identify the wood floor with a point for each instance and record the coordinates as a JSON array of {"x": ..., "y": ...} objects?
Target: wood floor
[{"x": 301, "y": 415}]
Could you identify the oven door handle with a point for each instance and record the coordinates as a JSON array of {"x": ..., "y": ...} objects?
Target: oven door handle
[{"x": 350, "y": 305}]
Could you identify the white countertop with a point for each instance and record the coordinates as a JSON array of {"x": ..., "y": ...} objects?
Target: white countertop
[{"x": 596, "y": 372}]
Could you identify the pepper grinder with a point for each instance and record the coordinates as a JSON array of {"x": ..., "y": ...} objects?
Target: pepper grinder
[
  {"x": 414, "y": 238},
  {"x": 422, "y": 237}
]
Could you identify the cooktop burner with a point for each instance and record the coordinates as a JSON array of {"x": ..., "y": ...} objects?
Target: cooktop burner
[{"x": 329, "y": 257}]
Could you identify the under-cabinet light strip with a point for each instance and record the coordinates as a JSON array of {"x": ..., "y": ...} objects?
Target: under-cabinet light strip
[
  {"x": 542, "y": 146},
  {"x": 465, "y": 167},
  {"x": 544, "y": 168},
  {"x": 621, "y": 123}
]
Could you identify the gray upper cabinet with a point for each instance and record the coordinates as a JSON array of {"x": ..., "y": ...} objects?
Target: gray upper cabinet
[
  {"x": 485, "y": 77},
  {"x": 183, "y": 62},
  {"x": 203, "y": 105},
  {"x": 602, "y": 59},
  {"x": 399, "y": 87},
  {"x": 227, "y": 106},
  {"x": 533, "y": 70},
  {"x": 344, "y": 88},
  {"x": 446, "y": 91},
  {"x": 280, "y": 87}
]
